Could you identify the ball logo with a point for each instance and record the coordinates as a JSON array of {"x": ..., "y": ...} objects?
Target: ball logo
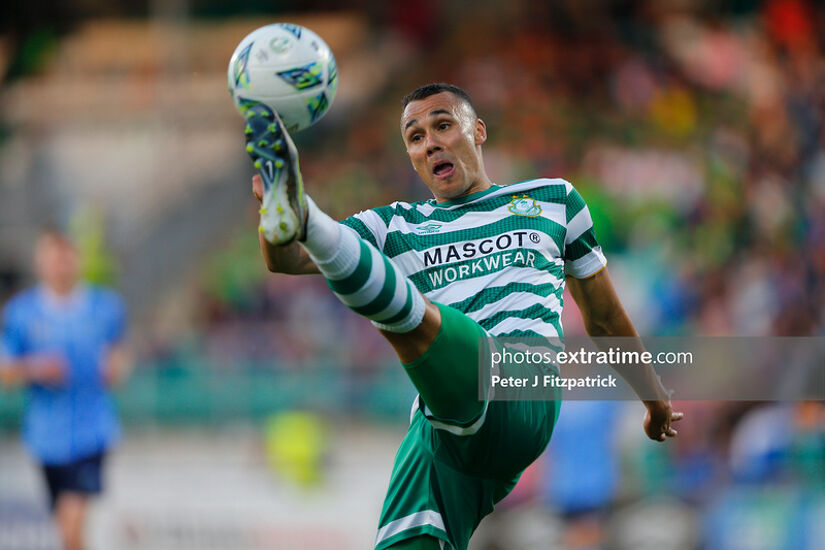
[
  {"x": 524, "y": 206},
  {"x": 280, "y": 44}
]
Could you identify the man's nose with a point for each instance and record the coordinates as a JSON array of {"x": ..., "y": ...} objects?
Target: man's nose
[{"x": 432, "y": 146}]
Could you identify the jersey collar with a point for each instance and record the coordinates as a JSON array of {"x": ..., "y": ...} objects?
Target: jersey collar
[
  {"x": 55, "y": 302},
  {"x": 465, "y": 198}
]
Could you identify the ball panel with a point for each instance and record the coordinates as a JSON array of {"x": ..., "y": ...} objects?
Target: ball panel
[{"x": 305, "y": 76}]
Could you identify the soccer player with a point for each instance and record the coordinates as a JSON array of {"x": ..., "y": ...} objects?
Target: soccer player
[
  {"x": 63, "y": 340},
  {"x": 437, "y": 277}
]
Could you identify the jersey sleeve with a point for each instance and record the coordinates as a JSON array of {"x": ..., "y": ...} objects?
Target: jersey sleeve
[
  {"x": 583, "y": 256},
  {"x": 372, "y": 225}
]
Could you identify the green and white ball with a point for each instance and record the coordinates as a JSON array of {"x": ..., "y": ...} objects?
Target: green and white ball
[{"x": 287, "y": 67}]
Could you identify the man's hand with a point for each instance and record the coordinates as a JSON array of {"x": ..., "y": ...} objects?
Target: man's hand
[
  {"x": 46, "y": 370},
  {"x": 658, "y": 418},
  {"x": 290, "y": 258},
  {"x": 49, "y": 370},
  {"x": 603, "y": 315},
  {"x": 117, "y": 365},
  {"x": 258, "y": 188}
]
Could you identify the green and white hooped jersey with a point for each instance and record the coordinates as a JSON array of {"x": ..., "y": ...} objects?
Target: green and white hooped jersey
[{"x": 500, "y": 255}]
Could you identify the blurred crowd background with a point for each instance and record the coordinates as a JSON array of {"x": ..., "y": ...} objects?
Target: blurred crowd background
[{"x": 693, "y": 129}]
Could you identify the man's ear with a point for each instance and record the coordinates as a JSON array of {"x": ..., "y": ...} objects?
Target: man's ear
[{"x": 480, "y": 132}]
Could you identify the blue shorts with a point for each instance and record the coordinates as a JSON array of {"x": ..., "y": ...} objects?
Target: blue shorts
[{"x": 83, "y": 476}]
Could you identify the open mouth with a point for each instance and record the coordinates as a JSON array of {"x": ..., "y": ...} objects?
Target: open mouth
[{"x": 443, "y": 169}]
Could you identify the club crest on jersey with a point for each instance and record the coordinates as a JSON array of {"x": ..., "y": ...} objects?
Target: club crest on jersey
[
  {"x": 524, "y": 206},
  {"x": 429, "y": 229}
]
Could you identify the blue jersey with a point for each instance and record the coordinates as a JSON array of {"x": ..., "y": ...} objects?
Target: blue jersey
[{"x": 77, "y": 418}]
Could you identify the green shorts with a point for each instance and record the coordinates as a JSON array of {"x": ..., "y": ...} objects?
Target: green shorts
[{"x": 447, "y": 476}]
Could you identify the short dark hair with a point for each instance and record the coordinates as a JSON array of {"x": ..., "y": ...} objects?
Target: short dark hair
[{"x": 436, "y": 88}]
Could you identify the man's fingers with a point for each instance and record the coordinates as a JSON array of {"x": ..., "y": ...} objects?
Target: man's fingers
[
  {"x": 258, "y": 187},
  {"x": 667, "y": 432},
  {"x": 659, "y": 428}
]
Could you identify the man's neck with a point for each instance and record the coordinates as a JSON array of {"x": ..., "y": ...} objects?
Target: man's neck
[
  {"x": 60, "y": 292},
  {"x": 482, "y": 185}
]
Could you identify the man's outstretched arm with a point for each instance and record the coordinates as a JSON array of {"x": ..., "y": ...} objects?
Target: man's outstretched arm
[
  {"x": 603, "y": 315},
  {"x": 292, "y": 258}
]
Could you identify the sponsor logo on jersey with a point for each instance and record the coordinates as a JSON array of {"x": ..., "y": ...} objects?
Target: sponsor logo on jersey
[
  {"x": 524, "y": 206},
  {"x": 448, "y": 253},
  {"x": 482, "y": 266},
  {"x": 429, "y": 229}
]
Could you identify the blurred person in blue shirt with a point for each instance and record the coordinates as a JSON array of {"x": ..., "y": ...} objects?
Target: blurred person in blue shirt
[
  {"x": 64, "y": 341},
  {"x": 583, "y": 472}
]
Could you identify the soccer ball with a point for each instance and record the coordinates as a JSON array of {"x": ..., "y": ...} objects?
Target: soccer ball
[{"x": 288, "y": 68}]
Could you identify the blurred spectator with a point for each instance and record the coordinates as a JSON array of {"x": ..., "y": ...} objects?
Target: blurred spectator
[
  {"x": 64, "y": 341},
  {"x": 582, "y": 469}
]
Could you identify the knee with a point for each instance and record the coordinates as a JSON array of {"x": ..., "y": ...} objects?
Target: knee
[{"x": 409, "y": 346}]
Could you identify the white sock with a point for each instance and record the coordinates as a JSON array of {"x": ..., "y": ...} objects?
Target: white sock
[
  {"x": 322, "y": 233},
  {"x": 363, "y": 279}
]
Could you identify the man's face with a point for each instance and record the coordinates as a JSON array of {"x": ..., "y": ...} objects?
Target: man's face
[
  {"x": 57, "y": 262},
  {"x": 443, "y": 138}
]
